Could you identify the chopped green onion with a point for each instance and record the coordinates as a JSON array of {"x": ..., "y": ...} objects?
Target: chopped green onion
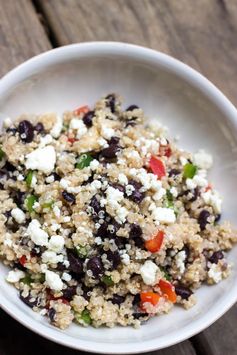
[
  {"x": 48, "y": 204},
  {"x": 166, "y": 275},
  {"x": 107, "y": 280},
  {"x": 2, "y": 154},
  {"x": 29, "y": 178},
  {"x": 41, "y": 278},
  {"x": 65, "y": 126},
  {"x": 81, "y": 251},
  {"x": 29, "y": 202},
  {"x": 169, "y": 195},
  {"x": 27, "y": 279},
  {"x": 83, "y": 317},
  {"x": 189, "y": 171},
  {"x": 83, "y": 161}
]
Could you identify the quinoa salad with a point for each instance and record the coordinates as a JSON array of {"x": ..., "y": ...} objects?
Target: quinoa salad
[{"x": 103, "y": 220}]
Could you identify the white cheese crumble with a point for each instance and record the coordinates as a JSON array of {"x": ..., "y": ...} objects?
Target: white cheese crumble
[
  {"x": 180, "y": 259},
  {"x": 159, "y": 194},
  {"x": 56, "y": 211},
  {"x": 203, "y": 160},
  {"x": 214, "y": 272},
  {"x": 78, "y": 125},
  {"x": 125, "y": 258},
  {"x": 7, "y": 122},
  {"x": 95, "y": 185},
  {"x": 18, "y": 215},
  {"x": 94, "y": 164},
  {"x": 50, "y": 257},
  {"x": 15, "y": 276},
  {"x": 122, "y": 178},
  {"x": 49, "y": 179},
  {"x": 66, "y": 219},
  {"x": 66, "y": 277},
  {"x": 212, "y": 198},
  {"x": 58, "y": 126},
  {"x": 64, "y": 183},
  {"x": 163, "y": 215},
  {"x": 56, "y": 243},
  {"x": 33, "y": 181},
  {"x": 37, "y": 235},
  {"x": 53, "y": 281},
  {"x": 42, "y": 159},
  {"x": 114, "y": 196},
  {"x": 20, "y": 177},
  {"x": 107, "y": 132},
  {"x": 148, "y": 272},
  {"x": 45, "y": 140},
  {"x": 102, "y": 142},
  {"x": 174, "y": 191},
  {"x": 122, "y": 213}
]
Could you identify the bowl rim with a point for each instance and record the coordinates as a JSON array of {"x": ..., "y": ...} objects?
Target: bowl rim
[{"x": 191, "y": 76}]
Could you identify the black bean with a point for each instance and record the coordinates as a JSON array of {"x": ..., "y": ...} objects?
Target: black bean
[
  {"x": 19, "y": 266},
  {"x": 61, "y": 267},
  {"x": 11, "y": 130},
  {"x": 18, "y": 197},
  {"x": 136, "y": 196},
  {"x": 26, "y": 131},
  {"x": 68, "y": 197},
  {"x": 111, "y": 151},
  {"x": 88, "y": 118},
  {"x": 183, "y": 292},
  {"x": 138, "y": 315},
  {"x": 218, "y": 217},
  {"x": 95, "y": 204},
  {"x": 136, "y": 299},
  {"x": 27, "y": 300},
  {"x": 56, "y": 177},
  {"x": 174, "y": 172},
  {"x": 7, "y": 214},
  {"x": 96, "y": 266},
  {"x": 216, "y": 256},
  {"x": 202, "y": 219},
  {"x": 39, "y": 127},
  {"x": 195, "y": 193},
  {"x": 51, "y": 314},
  {"x": 76, "y": 264},
  {"x": 132, "y": 107},
  {"x": 9, "y": 167},
  {"x": 117, "y": 299},
  {"x": 187, "y": 252},
  {"x": 120, "y": 242},
  {"x": 110, "y": 102},
  {"x": 69, "y": 292},
  {"x": 86, "y": 292},
  {"x": 135, "y": 233},
  {"x": 114, "y": 258}
]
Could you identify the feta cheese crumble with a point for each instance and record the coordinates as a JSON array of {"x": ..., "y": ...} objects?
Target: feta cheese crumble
[
  {"x": 148, "y": 272},
  {"x": 37, "y": 234},
  {"x": 53, "y": 281},
  {"x": 15, "y": 276},
  {"x": 42, "y": 159},
  {"x": 18, "y": 215}
]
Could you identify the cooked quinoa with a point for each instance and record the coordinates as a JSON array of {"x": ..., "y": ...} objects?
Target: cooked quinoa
[{"x": 103, "y": 220}]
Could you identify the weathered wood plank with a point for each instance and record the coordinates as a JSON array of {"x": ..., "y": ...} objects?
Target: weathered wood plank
[
  {"x": 220, "y": 338},
  {"x": 21, "y": 33},
  {"x": 200, "y": 33}
]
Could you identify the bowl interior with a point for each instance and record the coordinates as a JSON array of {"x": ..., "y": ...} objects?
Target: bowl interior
[{"x": 73, "y": 80}]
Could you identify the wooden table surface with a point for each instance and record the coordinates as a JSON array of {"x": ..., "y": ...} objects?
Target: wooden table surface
[{"x": 201, "y": 33}]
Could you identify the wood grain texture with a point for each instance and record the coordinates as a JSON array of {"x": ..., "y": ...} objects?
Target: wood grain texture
[
  {"x": 220, "y": 338},
  {"x": 203, "y": 33},
  {"x": 21, "y": 33}
]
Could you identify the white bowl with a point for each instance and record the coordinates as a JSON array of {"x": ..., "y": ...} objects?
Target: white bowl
[{"x": 180, "y": 98}]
